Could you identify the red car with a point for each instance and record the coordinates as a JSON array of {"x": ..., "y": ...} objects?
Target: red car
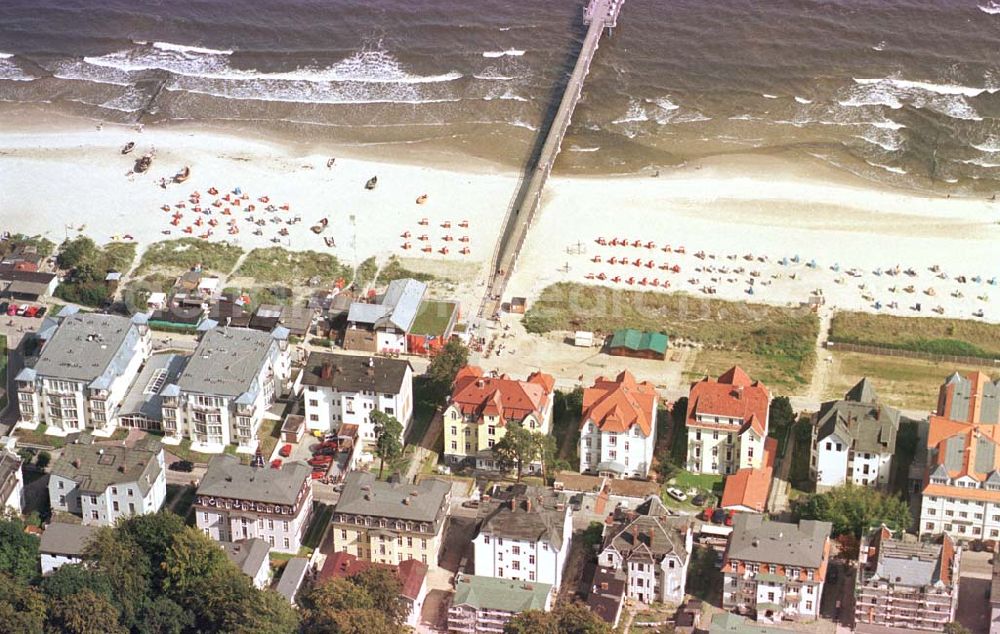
[
  {"x": 276, "y": 463},
  {"x": 320, "y": 461},
  {"x": 316, "y": 475},
  {"x": 12, "y": 310},
  {"x": 31, "y": 311},
  {"x": 285, "y": 451}
]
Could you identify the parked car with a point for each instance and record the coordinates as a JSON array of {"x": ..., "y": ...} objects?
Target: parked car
[
  {"x": 677, "y": 494},
  {"x": 470, "y": 504},
  {"x": 699, "y": 500},
  {"x": 3, "y": 308},
  {"x": 31, "y": 311},
  {"x": 276, "y": 463},
  {"x": 41, "y": 312},
  {"x": 182, "y": 465},
  {"x": 325, "y": 451},
  {"x": 320, "y": 461},
  {"x": 316, "y": 475},
  {"x": 285, "y": 451},
  {"x": 22, "y": 309},
  {"x": 12, "y": 309}
]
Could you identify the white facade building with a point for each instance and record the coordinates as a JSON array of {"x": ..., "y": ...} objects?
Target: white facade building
[
  {"x": 524, "y": 534},
  {"x": 63, "y": 544},
  {"x": 392, "y": 317},
  {"x": 854, "y": 440},
  {"x": 11, "y": 482},
  {"x": 652, "y": 551},
  {"x": 86, "y": 364},
  {"x": 345, "y": 389},
  {"x": 222, "y": 395},
  {"x": 618, "y": 428},
  {"x": 236, "y": 502},
  {"x": 104, "y": 483}
]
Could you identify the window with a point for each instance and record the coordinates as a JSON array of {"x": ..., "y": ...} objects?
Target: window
[
  {"x": 516, "y": 550},
  {"x": 114, "y": 490},
  {"x": 313, "y": 403},
  {"x": 531, "y": 560},
  {"x": 809, "y": 605},
  {"x": 286, "y": 543},
  {"x": 516, "y": 565},
  {"x": 93, "y": 515},
  {"x": 486, "y": 539},
  {"x": 114, "y": 505}
]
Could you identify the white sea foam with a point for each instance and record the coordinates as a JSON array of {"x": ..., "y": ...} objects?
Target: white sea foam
[
  {"x": 981, "y": 163},
  {"x": 941, "y": 89},
  {"x": 518, "y": 123},
  {"x": 511, "y": 52},
  {"x": 635, "y": 114},
  {"x": 880, "y": 46},
  {"x": 767, "y": 96},
  {"x": 10, "y": 71},
  {"x": 370, "y": 65},
  {"x": 885, "y": 139},
  {"x": 992, "y": 7},
  {"x": 6, "y": 55},
  {"x": 577, "y": 148},
  {"x": 491, "y": 77},
  {"x": 803, "y": 100},
  {"x": 887, "y": 124},
  {"x": 664, "y": 103},
  {"x": 180, "y": 48},
  {"x": 991, "y": 144},
  {"x": 509, "y": 96},
  {"x": 888, "y": 168}
]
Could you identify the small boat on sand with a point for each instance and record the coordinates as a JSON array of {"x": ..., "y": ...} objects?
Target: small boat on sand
[
  {"x": 182, "y": 175},
  {"x": 421, "y": 199},
  {"x": 144, "y": 162},
  {"x": 329, "y": 241},
  {"x": 372, "y": 182},
  {"x": 128, "y": 147},
  {"x": 331, "y": 162},
  {"x": 319, "y": 227}
]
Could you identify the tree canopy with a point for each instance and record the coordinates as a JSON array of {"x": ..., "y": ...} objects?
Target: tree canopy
[
  {"x": 519, "y": 448},
  {"x": 445, "y": 365},
  {"x": 18, "y": 551},
  {"x": 388, "y": 437},
  {"x": 855, "y": 509},
  {"x": 367, "y": 603},
  {"x": 572, "y": 618}
]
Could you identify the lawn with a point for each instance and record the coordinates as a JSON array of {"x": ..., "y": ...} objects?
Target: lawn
[
  {"x": 931, "y": 335},
  {"x": 433, "y": 318},
  {"x": 317, "y": 526},
  {"x": 707, "y": 482},
  {"x": 38, "y": 437},
  {"x": 901, "y": 382},
  {"x": 775, "y": 338},
  {"x": 269, "y": 434},
  {"x": 424, "y": 407},
  {"x": 277, "y": 265},
  {"x": 184, "y": 253},
  {"x": 184, "y": 452},
  {"x": 798, "y": 471}
]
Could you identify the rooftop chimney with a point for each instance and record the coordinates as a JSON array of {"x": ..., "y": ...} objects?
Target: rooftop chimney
[
  {"x": 326, "y": 370},
  {"x": 76, "y": 463},
  {"x": 650, "y": 536},
  {"x": 527, "y": 505}
]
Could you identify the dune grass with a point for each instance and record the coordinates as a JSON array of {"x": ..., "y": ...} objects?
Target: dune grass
[
  {"x": 293, "y": 268},
  {"x": 184, "y": 253},
  {"x": 930, "y": 335}
]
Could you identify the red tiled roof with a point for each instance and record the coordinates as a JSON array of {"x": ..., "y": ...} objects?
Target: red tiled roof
[
  {"x": 947, "y": 555},
  {"x": 342, "y": 565},
  {"x": 733, "y": 395},
  {"x": 511, "y": 400},
  {"x": 617, "y": 405},
  {"x": 749, "y": 487}
]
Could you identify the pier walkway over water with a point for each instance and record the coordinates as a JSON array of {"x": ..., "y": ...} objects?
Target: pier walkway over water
[{"x": 599, "y": 15}]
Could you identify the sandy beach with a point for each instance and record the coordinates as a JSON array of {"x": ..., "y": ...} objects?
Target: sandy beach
[
  {"x": 769, "y": 235},
  {"x": 740, "y": 234}
]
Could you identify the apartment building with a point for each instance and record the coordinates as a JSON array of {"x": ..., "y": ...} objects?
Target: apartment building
[
  {"x": 973, "y": 398},
  {"x": 102, "y": 483},
  {"x": 484, "y": 605},
  {"x": 236, "y": 502},
  {"x": 142, "y": 407},
  {"x": 481, "y": 407},
  {"x": 523, "y": 533},
  {"x": 905, "y": 583},
  {"x": 775, "y": 570},
  {"x": 389, "y": 523},
  {"x": 650, "y": 550},
  {"x": 727, "y": 422},
  {"x": 854, "y": 440},
  {"x": 11, "y": 481},
  {"x": 618, "y": 427},
  {"x": 382, "y": 327},
  {"x": 344, "y": 389},
  {"x": 220, "y": 399},
  {"x": 86, "y": 363}
]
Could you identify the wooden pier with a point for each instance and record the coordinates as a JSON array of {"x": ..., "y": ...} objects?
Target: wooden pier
[{"x": 598, "y": 15}]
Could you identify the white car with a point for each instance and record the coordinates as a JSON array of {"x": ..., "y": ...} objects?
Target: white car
[{"x": 677, "y": 494}]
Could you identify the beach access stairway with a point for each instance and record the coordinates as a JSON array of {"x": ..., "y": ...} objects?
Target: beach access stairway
[{"x": 599, "y": 15}]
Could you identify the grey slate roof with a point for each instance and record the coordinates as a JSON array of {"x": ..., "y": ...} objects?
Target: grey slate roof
[
  {"x": 644, "y": 536},
  {"x": 88, "y": 347},
  {"x": 754, "y": 539},
  {"x": 226, "y": 362},
  {"x": 146, "y": 392},
  {"x": 364, "y": 495},
  {"x": 525, "y": 513},
  {"x": 227, "y": 478},
  {"x": 860, "y": 420},
  {"x": 989, "y": 400},
  {"x": 351, "y": 373},
  {"x": 96, "y": 467},
  {"x": 506, "y": 595},
  {"x": 396, "y": 308},
  {"x": 291, "y": 577},
  {"x": 66, "y": 539},
  {"x": 248, "y": 554}
]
